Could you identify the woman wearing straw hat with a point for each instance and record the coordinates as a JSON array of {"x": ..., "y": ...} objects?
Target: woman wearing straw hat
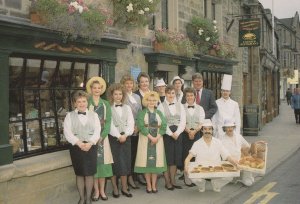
[
  {"x": 96, "y": 86},
  {"x": 178, "y": 83},
  {"x": 134, "y": 102},
  {"x": 150, "y": 158}
]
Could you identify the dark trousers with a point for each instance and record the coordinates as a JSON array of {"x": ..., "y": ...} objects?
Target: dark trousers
[{"x": 297, "y": 115}]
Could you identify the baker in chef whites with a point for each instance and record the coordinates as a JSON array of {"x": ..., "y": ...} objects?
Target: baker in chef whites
[
  {"x": 236, "y": 144},
  {"x": 228, "y": 109},
  {"x": 208, "y": 151}
]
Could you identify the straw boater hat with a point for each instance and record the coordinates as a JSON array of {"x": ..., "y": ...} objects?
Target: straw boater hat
[
  {"x": 101, "y": 82},
  {"x": 147, "y": 95},
  {"x": 160, "y": 82},
  {"x": 176, "y": 78}
]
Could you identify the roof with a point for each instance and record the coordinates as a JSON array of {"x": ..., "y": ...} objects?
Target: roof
[{"x": 288, "y": 22}]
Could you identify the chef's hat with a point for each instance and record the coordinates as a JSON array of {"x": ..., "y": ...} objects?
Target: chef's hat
[{"x": 226, "y": 83}]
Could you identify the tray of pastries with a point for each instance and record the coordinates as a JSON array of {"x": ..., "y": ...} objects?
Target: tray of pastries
[
  {"x": 256, "y": 160},
  {"x": 222, "y": 170}
]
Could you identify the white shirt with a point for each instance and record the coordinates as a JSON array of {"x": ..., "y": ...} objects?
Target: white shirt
[
  {"x": 173, "y": 111},
  {"x": 228, "y": 110},
  {"x": 209, "y": 155},
  {"x": 130, "y": 122},
  {"x": 234, "y": 144},
  {"x": 191, "y": 111},
  {"x": 180, "y": 97},
  {"x": 83, "y": 120},
  {"x": 130, "y": 97}
]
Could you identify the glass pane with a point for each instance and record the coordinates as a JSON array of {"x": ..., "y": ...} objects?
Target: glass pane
[
  {"x": 78, "y": 75},
  {"x": 33, "y": 135},
  {"x": 15, "y": 136},
  {"x": 31, "y": 98},
  {"x": 63, "y": 140},
  {"x": 15, "y": 72},
  {"x": 46, "y": 103},
  {"x": 15, "y": 108},
  {"x": 49, "y": 132},
  {"x": 93, "y": 70},
  {"x": 47, "y": 74},
  {"x": 62, "y": 102},
  {"x": 32, "y": 73},
  {"x": 62, "y": 78}
]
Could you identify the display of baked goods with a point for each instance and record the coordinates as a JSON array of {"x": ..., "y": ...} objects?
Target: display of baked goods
[
  {"x": 209, "y": 169},
  {"x": 252, "y": 162}
]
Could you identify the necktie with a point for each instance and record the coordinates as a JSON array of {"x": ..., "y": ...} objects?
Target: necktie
[
  {"x": 81, "y": 113},
  {"x": 171, "y": 104},
  {"x": 198, "y": 97},
  {"x": 120, "y": 105},
  {"x": 191, "y": 107}
]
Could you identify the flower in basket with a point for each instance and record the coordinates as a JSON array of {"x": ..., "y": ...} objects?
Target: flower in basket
[
  {"x": 174, "y": 42},
  {"x": 203, "y": 32},
  {"x": 74, "y": 18},
  {"x": 224, "y": 50},
  {"x": 133, "y": 13}
]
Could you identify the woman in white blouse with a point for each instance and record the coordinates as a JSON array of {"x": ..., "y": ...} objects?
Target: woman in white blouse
[
  {"x": 176, "y": 120},
  {"x": 122, "y": 127}
]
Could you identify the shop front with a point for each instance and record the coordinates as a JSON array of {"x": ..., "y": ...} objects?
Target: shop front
[{"x": 39, "y": 72}]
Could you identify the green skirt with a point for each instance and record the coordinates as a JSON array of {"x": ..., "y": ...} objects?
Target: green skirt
[
  {"x": 154, "y": 170},
  {"x": 103, "y": 171}
]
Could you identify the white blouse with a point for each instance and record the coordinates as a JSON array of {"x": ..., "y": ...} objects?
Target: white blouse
[{"x": 130, "y": 122}]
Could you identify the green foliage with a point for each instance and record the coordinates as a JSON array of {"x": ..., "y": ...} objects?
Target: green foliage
[
  {"x": 133, "y": 13},
  {"x": 73, "y": 18},
  {"x": 203, "y": 32}
]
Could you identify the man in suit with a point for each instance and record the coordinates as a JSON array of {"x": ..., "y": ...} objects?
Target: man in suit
[{"x": 204, "y": 97}]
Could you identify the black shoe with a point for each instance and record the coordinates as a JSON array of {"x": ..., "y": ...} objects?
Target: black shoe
[
  {"x": 154, "y": 191},
  {"x": 169, "y": 188},
  {"x": 177, "y": 187},
  {"x": 148, "y": 191},
  {"x": 95, "y": 198},
  {"x": 115, "y": 195},
  {"x": 181, "y": 177},
  {"x": 189, "y": 185},
  {"x": 103, "y": 197},
  {"x": 141, "y": 182},
  {"x": 133, "y": 187},
  {"x": 127, "y": 194}
]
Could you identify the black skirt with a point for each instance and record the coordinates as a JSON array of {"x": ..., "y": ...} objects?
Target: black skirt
[
  {"x": 84, "y": 163},
  {"x": 173, "y": 149},
  {"x": 122, "y": 156}
]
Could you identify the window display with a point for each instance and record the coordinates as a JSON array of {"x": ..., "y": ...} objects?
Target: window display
[{"x": 40, "y": 97}]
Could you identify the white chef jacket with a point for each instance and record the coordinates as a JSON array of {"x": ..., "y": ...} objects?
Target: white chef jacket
[
  {"x": 234, "y": 144},
  {"x": 70, "y": 137},
  {"x": 209, "y": 155},
  {"x": 130, "y": 121},
  {"x": 173, "y": 111},
  {"x": 228, "y": 110}
]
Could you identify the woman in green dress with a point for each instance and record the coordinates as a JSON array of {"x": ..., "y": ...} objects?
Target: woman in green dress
[
  {"x": 96, "y": 87},
  {"x": 150, "y": 158}
]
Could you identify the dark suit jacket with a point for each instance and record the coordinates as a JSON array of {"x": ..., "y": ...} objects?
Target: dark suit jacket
[{"x": 208, "y": 103}]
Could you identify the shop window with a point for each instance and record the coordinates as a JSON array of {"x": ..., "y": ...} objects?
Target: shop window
[
  {"x": 40, "y": 89},
  {"x": 213, "y": 81}
]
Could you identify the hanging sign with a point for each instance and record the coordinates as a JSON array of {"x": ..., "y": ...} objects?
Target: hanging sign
[{"x": 249, "y": 32}]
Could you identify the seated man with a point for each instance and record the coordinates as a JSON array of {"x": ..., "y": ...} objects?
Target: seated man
[
  {"x": 208, "y": 152},
  {"x": 235, "y": 144}
]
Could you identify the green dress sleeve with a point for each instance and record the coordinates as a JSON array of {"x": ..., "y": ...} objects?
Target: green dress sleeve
[
  {"x": 140, "y": 122},
  {"x": 163, "y": 125},
  {"x": 107, "y": 124}
]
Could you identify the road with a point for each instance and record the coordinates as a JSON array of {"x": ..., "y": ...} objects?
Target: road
[{"x": 279, "y": 187}]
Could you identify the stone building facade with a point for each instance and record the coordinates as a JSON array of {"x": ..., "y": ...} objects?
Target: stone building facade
[
  {"x": 118, "y": 52},
  {"x": 288, "y": 30}
]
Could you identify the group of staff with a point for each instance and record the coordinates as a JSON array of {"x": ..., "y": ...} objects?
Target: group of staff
[{"x": 144, "y": 132}]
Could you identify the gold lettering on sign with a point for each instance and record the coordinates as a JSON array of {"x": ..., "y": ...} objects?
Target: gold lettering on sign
[
  {"x": 55, "y": 46},
  {"x": 264, "y": 192},
  {"x": 176, "y": 61},
  {"x": 215, "y": 66}
]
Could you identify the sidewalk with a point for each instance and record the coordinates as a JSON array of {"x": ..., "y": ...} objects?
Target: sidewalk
[{"x": 282, "y": 136}]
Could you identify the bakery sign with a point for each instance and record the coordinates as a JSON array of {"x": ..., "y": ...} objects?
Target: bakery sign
[{"x": 249, "y": 32}]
